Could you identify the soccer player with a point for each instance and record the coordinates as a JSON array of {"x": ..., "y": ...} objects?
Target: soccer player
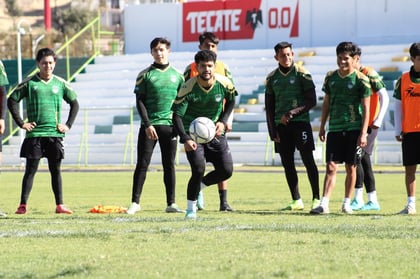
[
  {"x": 346, "y": 105},
  {"x": 3, "y": 83},
  {"x": 407, "y": 124},
  {"x": 156, "y": 88},
  {"x": 43, "y": 93},
  {"x": 213, "y": 96},
  {"x": 210, "y": 41},
  {"x": 378, "y": 106},
  {"x": 289, "y": 95}
]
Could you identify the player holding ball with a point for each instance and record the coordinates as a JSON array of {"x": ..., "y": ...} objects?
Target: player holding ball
[{"x": 204, "y": 95}]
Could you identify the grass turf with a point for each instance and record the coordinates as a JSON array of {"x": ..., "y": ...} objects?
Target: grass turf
[{"x": 255, "y": 241}]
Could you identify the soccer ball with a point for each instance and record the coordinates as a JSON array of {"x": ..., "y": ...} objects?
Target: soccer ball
[{"x": 202, "y": 130}]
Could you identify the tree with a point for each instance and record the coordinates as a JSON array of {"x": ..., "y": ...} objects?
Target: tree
[
  {"x": 12, "y": 9},
  {"x": 70, "y": 21}
]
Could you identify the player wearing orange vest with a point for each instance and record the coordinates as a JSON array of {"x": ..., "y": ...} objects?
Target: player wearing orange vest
[
  {"x": 378, "y": 106},
  {"x": 209, "y": 41},
  {"x": 407, "y": 124}
]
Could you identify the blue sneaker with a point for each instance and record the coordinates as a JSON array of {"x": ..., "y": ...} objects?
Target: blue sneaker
[
  {"x": 356, "y": 205},
  {"x": 371, "y": 206},
  {"x": 189, "y": 214},
  {"x": 200, "y": 201}
]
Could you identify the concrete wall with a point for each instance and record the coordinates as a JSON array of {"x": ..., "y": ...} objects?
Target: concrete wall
[{"x": 260, "y": 24}]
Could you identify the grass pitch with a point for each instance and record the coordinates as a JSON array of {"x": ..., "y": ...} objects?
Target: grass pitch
[{"x": 255, "y": 241}]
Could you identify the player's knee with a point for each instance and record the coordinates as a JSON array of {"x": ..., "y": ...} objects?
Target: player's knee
[
  {"x": 331, "y": 168},
  {"x": 227, "y": 172}
]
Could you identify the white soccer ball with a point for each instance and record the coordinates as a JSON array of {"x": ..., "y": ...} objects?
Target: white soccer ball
[{"x": 202, "y": 130}]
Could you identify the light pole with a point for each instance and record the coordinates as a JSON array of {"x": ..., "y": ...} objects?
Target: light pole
[{"x": 20, "y": 31}]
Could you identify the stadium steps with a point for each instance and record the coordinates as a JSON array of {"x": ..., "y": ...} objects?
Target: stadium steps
[{"x": 106, "y": 97}]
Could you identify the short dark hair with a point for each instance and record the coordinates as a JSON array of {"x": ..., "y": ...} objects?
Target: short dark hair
[
  {"x": 208, "y": 36},
  {"x": 205, "y": 56},
  {"x": 45, "y": 52},
  {"x": 415, "y": 49},
  {"x": 282, "y": 45},
  {"x": 160, "y": 40},
  {"x": 358, "y": 51},
  {"x": 348, "y": 47}
]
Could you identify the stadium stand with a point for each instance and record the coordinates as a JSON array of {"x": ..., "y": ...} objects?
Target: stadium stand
[{"x": 102, "y": 133}]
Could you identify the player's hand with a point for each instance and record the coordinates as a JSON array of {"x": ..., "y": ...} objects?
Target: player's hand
[
  {"x": 2, "y": 126},
  {"x": 29, "y": 126},
  {"x": 321, "y": 134},
  {"x": 362, "y": 140},
  {"x": 62, "y": 128},
  {"x": 276, "y": 139},
  {"x": 151, "y": 133},
  {"x": 190, "y": 145},
  {"x": 228, "y": 127},
  {"x": 220, "y": 128},
  {"x": 399, "y": 137},
  {"x": 284, "y": 119}
]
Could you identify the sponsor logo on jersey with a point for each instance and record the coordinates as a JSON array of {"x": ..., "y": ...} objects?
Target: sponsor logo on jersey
[{"x": 292, "y": 80}]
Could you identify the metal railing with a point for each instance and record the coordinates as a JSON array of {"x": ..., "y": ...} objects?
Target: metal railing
[{"x": 94, "y": 29}]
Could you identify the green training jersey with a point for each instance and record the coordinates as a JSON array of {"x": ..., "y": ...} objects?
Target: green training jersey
[
  {"x": 3, "y": 76},
  {"x": 43, "y": 103},
  {"x": 345, "y": 94},
  {"x": 374, "y": 78},
  {"x": 157, "y": 89},
  {"x": 193, "y": 100},
  {"x": 289, "y": 89}
]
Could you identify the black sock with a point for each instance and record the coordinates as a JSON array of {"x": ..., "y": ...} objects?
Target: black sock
[{"x": 222, "y": 196}]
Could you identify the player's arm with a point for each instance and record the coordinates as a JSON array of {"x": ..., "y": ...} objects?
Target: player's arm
[
  {"x": 365, "y": 121},
  {"x": 324, "y": 116},
  {"x": 269, "y": 113},
  {"x": 3, "y": 101},
  {"x": 2, "y": 108},
  {"x": 179, "y": 127},
  {"x": 383, "y": 107},
  {"x": 13, "y": 107},
  {"x": 74, "y": 109},
  {"x": 229, "y": 105},
  {"x": 141, "y": 108},
  {"x": 398, "y": 118}
]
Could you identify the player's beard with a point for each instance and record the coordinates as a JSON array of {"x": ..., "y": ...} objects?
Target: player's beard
[{"x": 206, "y": 76}]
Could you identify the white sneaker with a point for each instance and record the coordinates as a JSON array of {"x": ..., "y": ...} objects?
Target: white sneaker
[
  {"x": 346, "y": 208},
  {"x": 408, "y": 210},
  {"x": 174, "y": 208},
  {"x": 134, "y": 207}
]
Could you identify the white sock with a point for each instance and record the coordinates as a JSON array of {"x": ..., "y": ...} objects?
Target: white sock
[
  {"x": 358, "y": 194},
  {"x": 192, "y": 205},
  {"x": 411, "y": 202},
  {"x": 372, "y": 197},
  {"x": 325, "y": 202},
  {"x": 346, "y": 201}
]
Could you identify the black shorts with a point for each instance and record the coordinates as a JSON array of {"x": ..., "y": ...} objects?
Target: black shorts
[
  {"x": 48, "y": 147},
  {"x": 1, "y": 143},
  {"x": 410, "y": 149},
  {"x": 295, "y": 135},
  {"x": 216, "y": 152},
  {"x": 342, "y": 147}
]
